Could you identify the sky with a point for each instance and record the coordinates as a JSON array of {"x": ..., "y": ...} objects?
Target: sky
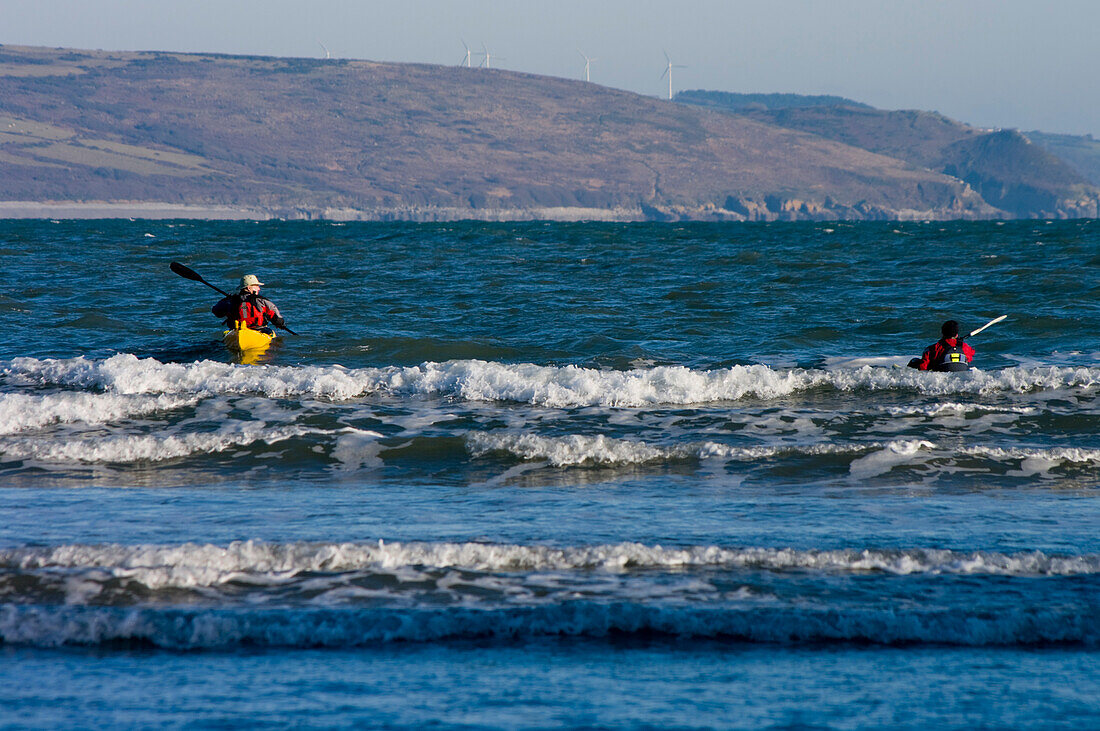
[{"x": 1028, "y": 64}]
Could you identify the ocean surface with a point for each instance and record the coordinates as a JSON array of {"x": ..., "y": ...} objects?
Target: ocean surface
[{"x": 550, "y": 475}]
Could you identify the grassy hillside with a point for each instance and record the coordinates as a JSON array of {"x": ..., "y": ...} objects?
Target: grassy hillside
[
  {"x": 732, "y": 101},
  {"x": 1003, "y": 166},
  {"x": 356, "y": 139},
  {"x": 1082, "y": 153}
]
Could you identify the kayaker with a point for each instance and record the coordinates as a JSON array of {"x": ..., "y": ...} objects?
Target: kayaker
[
  {"x": 248, "y": 307},
  {"x": 949, "y": 353}
]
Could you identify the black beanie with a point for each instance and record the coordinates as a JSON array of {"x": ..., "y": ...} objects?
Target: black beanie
[{"x": 950, "y": 329}]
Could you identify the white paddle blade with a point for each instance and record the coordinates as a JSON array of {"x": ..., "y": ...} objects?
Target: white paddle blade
[{"x": 994, "y": 321}]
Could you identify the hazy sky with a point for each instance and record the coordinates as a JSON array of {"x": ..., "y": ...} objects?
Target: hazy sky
[{"x": 1031, "y": 64}]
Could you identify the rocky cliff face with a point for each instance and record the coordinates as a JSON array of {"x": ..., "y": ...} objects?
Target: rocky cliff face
[
  {"x": 1018, "y": 178},
  {"x": 1013, "y": 174},
  {"x": 302, "y": 138}
]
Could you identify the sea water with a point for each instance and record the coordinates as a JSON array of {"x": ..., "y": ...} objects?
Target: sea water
[{"x": 545, "y": 474}]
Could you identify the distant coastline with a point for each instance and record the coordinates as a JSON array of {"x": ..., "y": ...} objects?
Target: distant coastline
[
  {"x": 146, "y": 210},
  {"x": 93, "y": 210},
  {"x": 100, "y": 134},
  {"x": 159, "y": 211}
]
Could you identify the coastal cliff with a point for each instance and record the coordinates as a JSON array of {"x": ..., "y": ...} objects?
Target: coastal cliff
[{"x": 1011, "y": 173}]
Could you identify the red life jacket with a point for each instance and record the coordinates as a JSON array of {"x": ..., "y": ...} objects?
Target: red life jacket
[
  {"x": 254, "y": 311},
  {"x": 947, "y": 354}
]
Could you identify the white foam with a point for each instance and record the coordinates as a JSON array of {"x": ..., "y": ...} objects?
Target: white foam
[
  {"x": 127, "y": 374},
  {"x": 19, "y": 411},
  {"x": 142, "y": 448},
  {"x": 357, "y": 449},
  {"x": 573, "y": 386},
  {"x": 189, "y": 565},
  {"x": 1036, "y": 462},
  {"x": 569, "y": 450},
  {"x": 954, "y": 408},
  {"x": 871, "y": 458},
  {"x": 576, "y": 449},
  {"x": 1059, "y": 454},
  {"x": 891, "y": 455},
  {"x": 553, "y": 386}
]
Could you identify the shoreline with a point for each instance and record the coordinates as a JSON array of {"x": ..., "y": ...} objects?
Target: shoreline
[
  {"x": 149, "y": 210},
  {"x": 32, "y": 210}
]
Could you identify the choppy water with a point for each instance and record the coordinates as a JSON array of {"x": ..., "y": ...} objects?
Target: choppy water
[{"x": 551, "y": 474}]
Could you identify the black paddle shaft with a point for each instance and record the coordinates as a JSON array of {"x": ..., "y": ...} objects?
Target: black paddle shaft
[{"x": 194, "y": 276}]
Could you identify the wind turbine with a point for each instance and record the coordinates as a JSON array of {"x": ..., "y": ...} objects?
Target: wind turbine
[
  {"x": 587, "y": 62},
  {"x": 668, "y": 72},
  {"x": 485, "y": 52},
  {"x": 466, "y": 61},
  {"x": 324, "y": 48}
]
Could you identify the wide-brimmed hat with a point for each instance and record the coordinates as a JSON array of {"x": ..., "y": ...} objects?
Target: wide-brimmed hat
[{"x": 249, "y": 279}]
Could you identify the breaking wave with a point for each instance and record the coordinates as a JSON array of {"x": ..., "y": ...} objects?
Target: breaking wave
[
  {"x": 955, "y": 408},
  {"x": 143, "y": 448},
  {"x": 552, "y": 386},
  {"x": 183, "y": 628},
  {"x": 191, "y": 564},
  {"x": 578, "y": 449},
  {"x": 869, "y": 458},
  {"x": 194, "y": 596},
  {"x": 19, "y": 412}
]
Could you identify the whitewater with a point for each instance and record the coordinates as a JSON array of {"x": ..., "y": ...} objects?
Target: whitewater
[{"x": 530, "y": 475}]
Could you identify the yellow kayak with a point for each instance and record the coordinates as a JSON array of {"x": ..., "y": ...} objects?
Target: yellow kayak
[{"x": 249, "y": 343}]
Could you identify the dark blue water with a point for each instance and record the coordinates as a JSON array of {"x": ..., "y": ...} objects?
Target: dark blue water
[{"x": 531, "y": 475}]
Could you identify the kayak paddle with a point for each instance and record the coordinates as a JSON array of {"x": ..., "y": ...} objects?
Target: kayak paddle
[
  {"x": 188, "y": 273},
  {"x": 194, "y": 276},
  {"x": 994, "y": 321}
]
